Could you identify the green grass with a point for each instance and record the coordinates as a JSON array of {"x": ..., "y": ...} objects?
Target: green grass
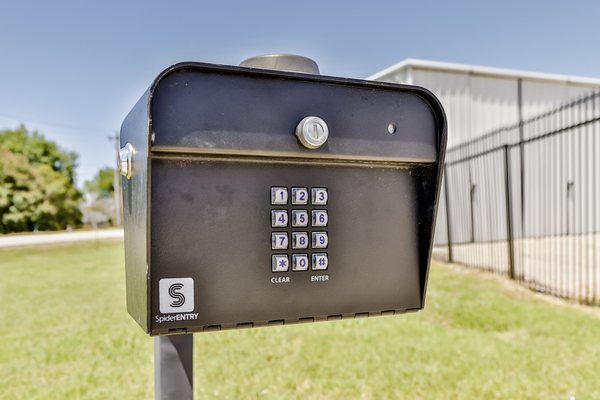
[{"x": 64, "y": 334}]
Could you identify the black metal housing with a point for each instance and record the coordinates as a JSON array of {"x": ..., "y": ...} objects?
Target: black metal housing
[{"x": 210, "y": 141}]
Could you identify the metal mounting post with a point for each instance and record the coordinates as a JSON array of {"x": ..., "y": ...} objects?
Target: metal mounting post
[{"x": 173, "y": 367}]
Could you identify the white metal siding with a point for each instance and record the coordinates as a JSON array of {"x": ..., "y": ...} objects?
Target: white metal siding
[{"x": 476, "y": 105}]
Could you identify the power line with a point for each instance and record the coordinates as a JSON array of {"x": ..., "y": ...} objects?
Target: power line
[{"x": 61, "y": 125}]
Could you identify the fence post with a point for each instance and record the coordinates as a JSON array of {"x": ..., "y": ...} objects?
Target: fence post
[
  {"x": 448, "y": 226},
  {"x": 509, "y": 217}
]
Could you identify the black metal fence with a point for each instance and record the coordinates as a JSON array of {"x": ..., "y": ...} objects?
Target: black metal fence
[{"x": 524, "y": 201}]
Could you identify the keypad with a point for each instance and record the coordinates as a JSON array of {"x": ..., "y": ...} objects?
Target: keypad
[{"x": 299, "y": 218}]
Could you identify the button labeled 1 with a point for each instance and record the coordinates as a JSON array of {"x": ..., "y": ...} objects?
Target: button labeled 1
[{"x": 279, "y": 195}]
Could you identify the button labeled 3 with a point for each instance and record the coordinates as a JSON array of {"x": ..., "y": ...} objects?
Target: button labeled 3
[{"x": 319, "y": 196}]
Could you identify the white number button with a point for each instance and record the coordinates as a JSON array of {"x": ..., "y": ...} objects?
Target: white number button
[
  {"x": 299, "y": 218},
  {"x": 319, "y": 240},
  {"x": 279, "y": 218},
  {"x": 319, "y": 196},
  {"x": 279, "y": 241},
  {"x": 319, "y": 218},
  {"x": 299, "y": 262},
  {"x": 299, "y": 240},
  {"x": 280, "y": 263},
  {"x": 299, "y": 196},
  {"x": 279, "y": 195},
  {"x": 319, "y": 261}
]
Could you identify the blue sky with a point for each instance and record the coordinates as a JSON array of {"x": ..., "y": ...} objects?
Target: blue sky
[{"x": 73, "y": 69}]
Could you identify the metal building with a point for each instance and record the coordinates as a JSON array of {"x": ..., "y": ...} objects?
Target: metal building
[
  {"x": 479, "y": 100},
  {"x": 522, "y": 180}
]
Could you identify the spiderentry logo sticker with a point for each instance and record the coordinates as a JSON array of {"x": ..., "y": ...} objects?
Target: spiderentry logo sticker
[{"x": 176, "y": 295}]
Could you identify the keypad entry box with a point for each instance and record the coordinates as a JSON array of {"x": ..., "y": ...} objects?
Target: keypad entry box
[{"x": 232, "y": 221}]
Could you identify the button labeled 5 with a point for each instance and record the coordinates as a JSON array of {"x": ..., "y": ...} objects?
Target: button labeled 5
[{"x": 299, "y": 218}]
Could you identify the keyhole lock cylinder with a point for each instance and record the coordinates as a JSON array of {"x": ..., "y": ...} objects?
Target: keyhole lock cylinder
[{"x": 312, "y": 132}]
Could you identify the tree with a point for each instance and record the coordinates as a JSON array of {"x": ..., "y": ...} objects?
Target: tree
[
  {"x": 37, "y": 190},
  {"x": 101, "y": 186},
  {"x": 100, "y": 201}
]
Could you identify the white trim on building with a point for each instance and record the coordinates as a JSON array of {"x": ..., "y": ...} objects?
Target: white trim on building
[{"x": 481, "y": 71}]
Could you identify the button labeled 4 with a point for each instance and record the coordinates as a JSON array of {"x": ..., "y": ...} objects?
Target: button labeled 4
[{"x": 279, "y": 218}]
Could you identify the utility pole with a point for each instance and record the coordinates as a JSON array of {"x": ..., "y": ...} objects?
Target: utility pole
[{"x": 117, "y": 182}]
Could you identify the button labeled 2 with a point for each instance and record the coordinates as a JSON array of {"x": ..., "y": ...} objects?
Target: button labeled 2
[{"x": 299, "y": 196}]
